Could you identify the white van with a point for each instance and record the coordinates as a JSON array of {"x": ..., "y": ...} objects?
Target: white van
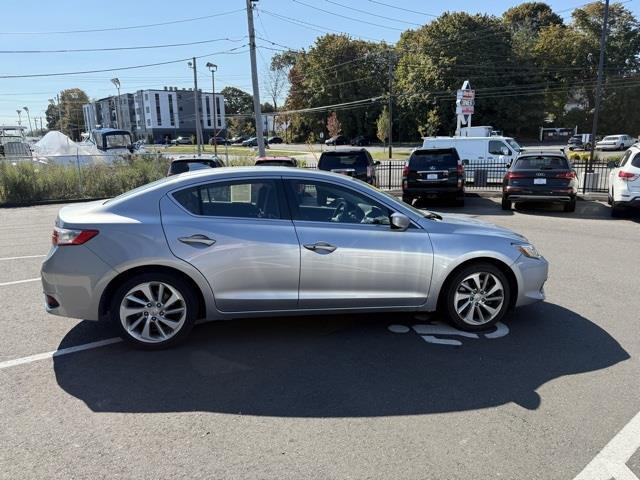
[{"x": 490, "y": 154}]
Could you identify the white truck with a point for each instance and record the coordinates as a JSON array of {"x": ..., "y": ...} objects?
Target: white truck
[{"x": 490, "y": 156}]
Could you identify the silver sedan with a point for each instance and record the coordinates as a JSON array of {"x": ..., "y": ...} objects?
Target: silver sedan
[{"x": 241, "y": 242}]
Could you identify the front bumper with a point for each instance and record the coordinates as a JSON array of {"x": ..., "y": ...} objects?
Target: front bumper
[
  {"x": 532, "y": 274},
  {"x": 74, "y": 277}
]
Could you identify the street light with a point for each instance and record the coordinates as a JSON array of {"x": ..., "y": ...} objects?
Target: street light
[
  {"x": 19, "y": 119},
  {"x": 193, "y": 66},
  {"x": 116, "y": 82},
  {"x": 26, "y": 109},
  {"x": 213, "y": 68}
]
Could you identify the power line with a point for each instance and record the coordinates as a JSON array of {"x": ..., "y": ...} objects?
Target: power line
[
  {"x": 233, "y": 51},
  {"x": 359, "y": 20},
  {"x": 110, "y": 49},
  {"x": 373, "y": 14},
  {"x": 404, "y": 9},
  {"x": 132, "y": 27}
]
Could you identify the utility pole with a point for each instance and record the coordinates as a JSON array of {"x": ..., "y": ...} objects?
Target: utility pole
[
  {"x": 212, "y": 68},
  {"x": 192, "y": 64},
  {"x": 254, "y": 79},
  {"x": 596, "y": 111},
  {"x": 19, "y": 118},
  {"x": 59, "y": 113},
  {"x": 390, "y": 106},
  {"x": 26, "y": 109}
]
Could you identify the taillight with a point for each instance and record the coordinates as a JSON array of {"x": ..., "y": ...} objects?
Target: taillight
[
  {"x": 66, "y": 236},
  {"x": 627, "y": 176},
  {"x": 511, "y": 175},
  {"x": 460, "y": 169},
  {"x": 405, "y": 170},
  {"x": 566, "y": 175}
]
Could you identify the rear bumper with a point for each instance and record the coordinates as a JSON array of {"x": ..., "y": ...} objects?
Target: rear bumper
[
  {"x": 75, "y": 278},
  {"x": 520, "y": 194},
  {"x": 632, "y": 203},
  {"x": 437, "y": 190},
  {"x": 539, "y": 198}
]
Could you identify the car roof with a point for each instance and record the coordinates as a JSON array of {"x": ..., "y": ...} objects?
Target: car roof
[
  {"x": 193, "y": 158},
  {"x": 542, "y": 153},
  {"x": 343, "y": 151},
  {"x": 267, "y": 157}
]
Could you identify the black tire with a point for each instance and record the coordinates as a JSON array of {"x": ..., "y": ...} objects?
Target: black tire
[
  {"x": 571, "y": 206},
  {"x": 175, "y": 282},
  {"x": 447, "y": 305},
  {"x": 407, "y": 199},
  {"x": 506, "y": 203}
]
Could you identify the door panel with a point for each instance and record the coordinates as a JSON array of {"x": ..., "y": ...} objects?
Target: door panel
[
  {"x": 354, "y": 259},
  {"x": 253, "y": 264}
]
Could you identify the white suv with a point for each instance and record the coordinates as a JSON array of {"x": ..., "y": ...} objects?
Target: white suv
[
  {"x": 624, "y": 182},
  {"x": 615, "y": 142}
]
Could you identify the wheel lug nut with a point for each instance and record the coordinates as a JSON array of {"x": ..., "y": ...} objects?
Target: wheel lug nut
[
  {"x": 153, "y": 319},
  {"x": 158, "y": 305},
  {"x": 148, "y": 305},
  {"x": 146, "y": 314}
]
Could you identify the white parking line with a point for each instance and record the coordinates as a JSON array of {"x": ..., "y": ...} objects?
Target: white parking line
[
  {"x": 15, "y": 282},
  {"x": 57, "y": 353},
  {"x": 22, "y": 257},
  {"x": 612, "y": 459}
]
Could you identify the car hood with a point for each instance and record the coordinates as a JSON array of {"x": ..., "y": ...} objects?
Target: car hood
[{"x": 468, "y": 224}]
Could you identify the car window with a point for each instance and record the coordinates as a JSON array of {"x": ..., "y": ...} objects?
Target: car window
[
  {"x": 325, "y": 202},
  {"x": 625, "y": 158},
  {"x": 424, "y": 160},
  {"x": 496, "y": 146},
  {"x": 337, "y": 161},
  {"x": 244, "y": 199},
  {"x": 191, "y": 165},
  {"x": 541, "y": 162},
  {"x": 635, "y": 162}
]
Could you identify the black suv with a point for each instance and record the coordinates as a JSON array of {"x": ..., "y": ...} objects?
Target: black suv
[
  {"x": 540, "y": 177},
  {"x": 433, "y": 173},
  {"x": 356, "y": 163}
]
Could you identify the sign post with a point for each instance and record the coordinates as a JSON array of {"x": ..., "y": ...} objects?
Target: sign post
[{"x": 465, "y": 106}]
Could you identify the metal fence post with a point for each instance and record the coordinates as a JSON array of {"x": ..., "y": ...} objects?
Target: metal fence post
[
  {"x": 79, "y": 174},
  {"x": 389, "y": 163}
]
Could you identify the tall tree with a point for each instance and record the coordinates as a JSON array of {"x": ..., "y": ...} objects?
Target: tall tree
[
  {"x": 236, "y": 100},
  {"x": 72, "y": 122}
]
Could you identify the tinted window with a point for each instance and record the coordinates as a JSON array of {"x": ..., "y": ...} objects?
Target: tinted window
[
  {"x": 250, "y": 199},
  {"x": 542, "y": 163},
  {"x": 496, "y": 147},
  {"x": 275, "y": 163},
  {"x": 636, "y": 160},
  {"x": 625, "y": 158},
  {"x": 337, "y": 160},
  {"x": 325, "y": 202},
  {"x": 423, "y": 160}
]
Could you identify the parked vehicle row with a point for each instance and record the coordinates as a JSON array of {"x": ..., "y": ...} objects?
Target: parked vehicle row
[{"x": 357, "y": 141}]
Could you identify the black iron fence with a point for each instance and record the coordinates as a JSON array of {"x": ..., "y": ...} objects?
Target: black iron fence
[{"x": 488, "y": 175}]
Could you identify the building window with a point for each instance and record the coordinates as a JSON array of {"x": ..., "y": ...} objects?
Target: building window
[
  {"x": 147, "y": 109},
  {"x": 218, "y": 107},
  {"x": 172, "y": 119},
  {"x": 158, "y": 109},
  {"x": 148, "y": 122},
  {"x": 146, "y": 96},
  {"x": 208, "y": 102}
]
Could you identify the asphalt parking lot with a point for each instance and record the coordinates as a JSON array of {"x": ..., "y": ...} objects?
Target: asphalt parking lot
[{"x": 554, "y": 390}]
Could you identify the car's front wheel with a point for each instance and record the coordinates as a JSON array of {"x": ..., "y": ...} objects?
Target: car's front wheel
[
  {"x": 477, "y": 297},
  {"x": 506, "y": 203},
  {"x": 154, "y": 310}
]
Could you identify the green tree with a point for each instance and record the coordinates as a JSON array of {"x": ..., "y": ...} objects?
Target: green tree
[
  {"x": 72, "y": 122},
  {"x": 52, "y": 115},
  {"x": 382, "y": 125},
  {"x": 237, "y": 101},
  {"x": 334, "y": 127}
]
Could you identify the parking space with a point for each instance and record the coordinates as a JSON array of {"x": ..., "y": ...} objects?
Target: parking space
[{"x": 337, "y": 397}]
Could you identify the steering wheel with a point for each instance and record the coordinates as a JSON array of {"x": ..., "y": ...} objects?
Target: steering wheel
[{"x": 340, "y": 210}]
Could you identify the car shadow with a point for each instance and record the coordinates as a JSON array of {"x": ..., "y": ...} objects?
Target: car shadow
[{"x": 349, "y": 366}]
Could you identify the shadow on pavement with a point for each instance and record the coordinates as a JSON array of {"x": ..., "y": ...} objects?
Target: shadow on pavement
[{"x": 349, "y": 366}]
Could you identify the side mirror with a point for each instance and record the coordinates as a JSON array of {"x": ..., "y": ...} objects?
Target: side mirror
[
  {"x": 376, "y": 163},
  {"x": 399, "y": 221},
  {"x": 465, "y": 162}
]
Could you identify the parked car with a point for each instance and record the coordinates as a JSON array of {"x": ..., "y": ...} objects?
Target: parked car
[
  {"x": 356, "y": 163},
  {"x": 253, "y": 142},
  {"x": 274, "y": 140},
  {"x": 276, "y": 162},
  {"x": 190, "y": 164},
  {"x": 359, "y": 141},
  {"x": 337, "y": 140},
  {"x": 219, "y": 141},
  {"x": 491, "y": 155},
  {"x": 624, "y": 182},
  {"x": 182, "y": 141},
  {"x": 540, "y": 177},
  {"x": 615, "y": 142},
  {"x": 577, "y": 143},
  {"x": 238, "y": 139},
  {"x": 226, "y": 243},
  {"x": 433, "y": 173}
]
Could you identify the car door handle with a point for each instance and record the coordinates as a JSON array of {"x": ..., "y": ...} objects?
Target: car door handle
[
  {"x": 320, "y": 247},
  {"x": 197, "y": 240}
]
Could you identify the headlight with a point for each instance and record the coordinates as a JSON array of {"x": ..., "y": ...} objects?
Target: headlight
[{"x": 528, "y": 250}]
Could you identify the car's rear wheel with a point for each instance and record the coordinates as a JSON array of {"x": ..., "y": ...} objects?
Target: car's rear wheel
[
  {"x": 506, "y": 203},
  {"x": 477, "y": 297},
  {"x": 154, "y": 310},
  {"x": 571, "y": 206}
]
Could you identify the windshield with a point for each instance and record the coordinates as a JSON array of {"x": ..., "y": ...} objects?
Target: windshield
[
  {"x": 541, "y": 163},
  {"x": 10, "y": 138},
  {"x": 513, "y": 144},
  {"x": 118, "y": 140},
  {"x": 335, "y": 161}
]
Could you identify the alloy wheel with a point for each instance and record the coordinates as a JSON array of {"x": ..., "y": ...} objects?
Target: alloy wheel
[
  {"x": 153, "y": 312},
  {"x": 479, "y": 298}
]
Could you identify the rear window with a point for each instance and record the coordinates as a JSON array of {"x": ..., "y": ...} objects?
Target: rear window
[
  {"x": 425, "y": 159},
  {"x": 191, "y": 165},
  {"x": 610, "y": 138},
  {"x": 542, "y": 163},
  {"x": 336, "y": 160},
  {"x": 636, "y": 161},
  {"x": 275, "y": 163}
]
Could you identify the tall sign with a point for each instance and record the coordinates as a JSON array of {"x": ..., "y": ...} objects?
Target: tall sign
[{"x": 465, "y": 106}]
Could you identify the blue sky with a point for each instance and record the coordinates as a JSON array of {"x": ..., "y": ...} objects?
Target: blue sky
[{"x": 32, "y": 17}]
